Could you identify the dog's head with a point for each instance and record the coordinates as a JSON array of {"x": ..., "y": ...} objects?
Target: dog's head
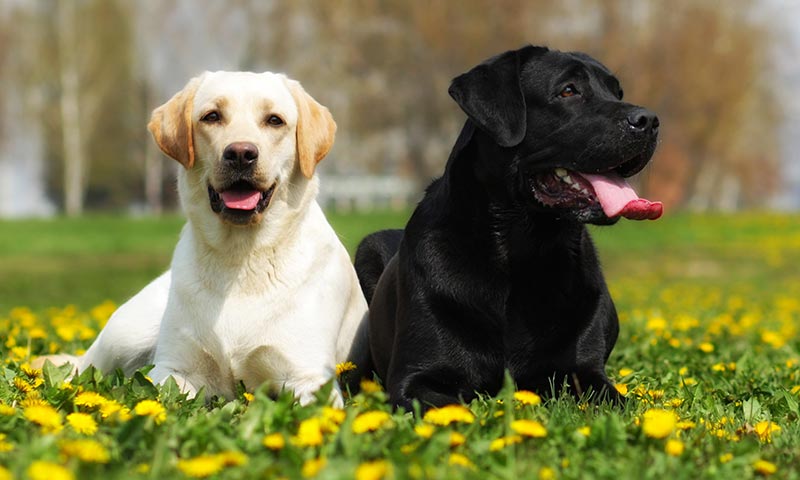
[
  {"x": 239, "y": 137},
  {"x": 564, "y": 137}
]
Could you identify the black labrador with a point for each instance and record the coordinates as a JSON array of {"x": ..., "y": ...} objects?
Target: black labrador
[{"x": 495, "y": 270}]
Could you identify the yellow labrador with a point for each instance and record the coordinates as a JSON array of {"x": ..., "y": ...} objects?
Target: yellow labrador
[{"x": 261, "y": 290}]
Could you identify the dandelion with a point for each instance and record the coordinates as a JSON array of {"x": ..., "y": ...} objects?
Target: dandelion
[
  {"x": 585, "y": 431},
  {"x": 674, "y": 448},
  {"x": 274, "y": 441},
  {"x": 624, "y": 372},
  {"x": 90, "y": 400},
  {"x": 370, "y": 421},
  {"x": 41, "y": 470},
  {"x": 115, "y": 411},
  {"x": 312, "y": 467},
  {"x": 527, "y": 398},
  {"x": 82, "y": 423},
  {"x": 685, "y": 425},
  {"x": 368, "y": 386},
  {"x": 765, "y": 429},
  {"x": 460, "y": 460},
  {"x": 502, "y": 442},
  {"x": 248, "y": 397},
  {"x": 45, "y": 416},
  {"x": 457, "y": 439},
  {"x": 200, "y": 467},
  {"x": 7, "y": 410},
  {"x": 152, "y": 409},
  {"x": 725, "y": 457},
  {"x": 529, "y": 428},
  {"x": 86, "y": 450},
  {"x": 425, "y": 430},
  {"x": 5, "y": 474},
  {"x": 622, "y": 388},
  {"x": 706, "y": 347},
  {"x": 547, "y": 473},
  {"x": 232, "y": 458},
  {"x": 375, "y": 470},
  {"x": 344, "y": 368},
  {"x": 658, "y": 423},
  {"x": 5, "y": 446},
  {"x": 764, "y": 467},
  {"x": 331, "y": 418},
  {"x": 793, "y": 391},
  {"x": 309, "y": 433},
  {"x": 449, "y": 414}
]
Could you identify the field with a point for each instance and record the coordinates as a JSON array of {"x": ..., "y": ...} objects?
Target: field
[{"x": 707, "y": 357}]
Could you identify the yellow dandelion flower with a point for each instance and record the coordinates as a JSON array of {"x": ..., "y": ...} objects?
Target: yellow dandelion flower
[
  {"x": 706, "y": 347},
  {"x": 683, "y": 371},
  {"x": 765, "y": 429},
  {"x": 795, "y": 389},
  {"x": 657, "y": 423},
  {"x": 370, "y": 421},
  {"x": 152, "y": 409},
  {"x": 774, "y": 339},
  {"x": 82, "y": 423},
  {"x": 529, "y": 428},
  {"x": 309, "y": 433},
  {"x": 45, "y": 416},
  {"x": 103, "y": 312},
  {"x": 23, "y": 385},
  {"x": 201, "y": 467},
  {"x": 7, "y": 410},
  {"x": 688, "y": 382},
  {"x": 408, "y": 449},
  {"x": 344, "y": 367},
  {"x": 526, "y": 397},
  {"x": 674, "y": 402},
  {"x": 5, "y": 446},
  {"x": 312, "y": 467},
  {"x": 547, "y": 473},
  {"x": 232, "y": 458},
  {"x": 331, "y": 419},
  {"x": 764, "y": 467},
  {"x": 425, "y": 430},
  {"x": 674, "y": 448},
  {"x": 5, "y": 474},
  {"x": 725, "y": 457},
  {"x": 656, "y": 324},
  {"x": 502, "y": 442},
  {"x": 90, "y": 400},
  {"x": 41, "y": 470},
  {"x": 274, "y": 441},
  {"x": 375, "y": 470},
  {"x": 449, "y": 414},
  {"x": 457, "y": 439},
  {"x": 585, "y": 431},
  {"x": 460, "y": 460},
  {"x": 113, "y": 410},
  {"x": 622, "y": 388},
  {"x": 368, "y": 386},
  {"x": 685, "y": 425},
  {"x": 86, "y": 450},
  {"x": 143, "y": 469},
  {"x": 624, "y": 372},
  {"x": 29, "y": 371},
  {"x": 718, "y": 367},
  {"x": 249, "y": 397}
]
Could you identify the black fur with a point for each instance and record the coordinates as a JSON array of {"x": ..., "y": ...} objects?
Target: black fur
[{"x": 487, "y": 278}]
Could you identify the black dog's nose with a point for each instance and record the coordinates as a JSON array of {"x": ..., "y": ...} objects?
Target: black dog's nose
[
  {"x": 643, "y": 120},
  {"x": 240, "y": 154}
]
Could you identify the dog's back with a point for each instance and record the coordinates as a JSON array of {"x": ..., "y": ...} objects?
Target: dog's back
[{"x": 372, "y": 256}]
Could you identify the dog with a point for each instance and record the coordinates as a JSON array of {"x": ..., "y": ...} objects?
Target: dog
[
  {"x": 260, "y": 288},
  {"x": 495, "y": 270}
]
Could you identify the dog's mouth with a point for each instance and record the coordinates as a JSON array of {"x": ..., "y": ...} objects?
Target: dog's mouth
[
  {"x": 240, "y": 201},
  {"x": 587, "y": 192}
]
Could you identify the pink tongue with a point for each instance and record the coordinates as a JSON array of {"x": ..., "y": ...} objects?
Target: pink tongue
[
  {"x": 618, "y": 198},
  {"x": 241, "y": 200}
]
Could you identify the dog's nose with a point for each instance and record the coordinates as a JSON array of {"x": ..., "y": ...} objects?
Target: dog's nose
[
  {"x": 643, "y": 120},
  {"x": 240, "y": 154}
]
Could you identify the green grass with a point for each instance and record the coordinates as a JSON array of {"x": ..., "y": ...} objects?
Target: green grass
[{"x": 710, "y": 312}]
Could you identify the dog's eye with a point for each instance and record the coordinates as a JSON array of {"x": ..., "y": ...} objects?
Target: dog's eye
[
  {"x": 275, "y": 121},
  {"x": 211, "y": 117},
  {"x": 568, "y": 91}
]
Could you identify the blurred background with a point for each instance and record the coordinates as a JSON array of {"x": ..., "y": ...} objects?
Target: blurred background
[{"x": 80, "y": 78}]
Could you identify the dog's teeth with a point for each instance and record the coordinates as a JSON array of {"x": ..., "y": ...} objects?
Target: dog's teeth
[
  {"x": 567, "y": 179},
  {"x": 576, "y": 186},
  {"x": 561, "y": 172}
]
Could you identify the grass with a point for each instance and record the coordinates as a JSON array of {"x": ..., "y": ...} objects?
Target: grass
[{"x": 708, "y": 356}]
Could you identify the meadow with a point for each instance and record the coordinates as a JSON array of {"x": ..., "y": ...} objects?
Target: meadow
[{"x": 707, "y": 359}]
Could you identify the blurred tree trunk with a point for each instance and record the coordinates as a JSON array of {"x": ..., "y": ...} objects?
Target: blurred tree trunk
[{"x": 70, "y": 110}]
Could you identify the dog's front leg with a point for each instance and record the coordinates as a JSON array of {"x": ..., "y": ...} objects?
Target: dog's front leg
[{"x": 161, "y": 374}]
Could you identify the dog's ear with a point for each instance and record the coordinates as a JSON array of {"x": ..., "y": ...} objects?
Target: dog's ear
[
  {"x": 171, "y": 125},
  {"x": 315, "y": 129},
  {"x": 491, "y": 95}
]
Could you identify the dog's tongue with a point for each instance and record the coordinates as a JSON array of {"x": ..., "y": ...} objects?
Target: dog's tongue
[
  {"x": 618, "y": 198},
  {"x": 245, "y": 200}
]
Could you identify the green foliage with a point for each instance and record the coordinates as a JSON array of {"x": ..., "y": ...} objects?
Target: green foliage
[{"x": 708, "y": 357}]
